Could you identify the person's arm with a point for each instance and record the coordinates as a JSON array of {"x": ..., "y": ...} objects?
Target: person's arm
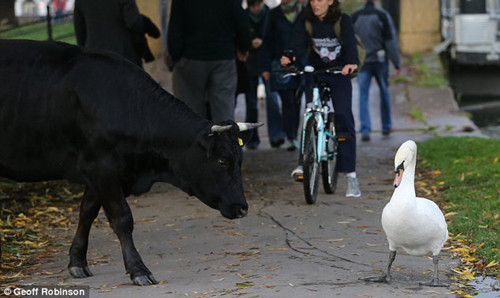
[
  {"x": 392, "y": 46},
  {"x": 176, "y": 30},
  {"x": 301, "y": 40},
  {"x": 349, "y": 42},
  {"x": 267, "y": 43},
  {"x": 79, "y": 25},
  {"x": 132, "y": 17},
  {"x": 243, "y": 39}
]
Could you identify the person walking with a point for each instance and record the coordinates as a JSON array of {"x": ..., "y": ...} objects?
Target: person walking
[
  {"x": 112, "y": 25},
  {"x": 257, "y": 13},
  {"x": 375, "y": 28},
  {"x": 325, "y": 50},
  {"x": 204, "y": 38},
  {"x": 277, "y": 37}
]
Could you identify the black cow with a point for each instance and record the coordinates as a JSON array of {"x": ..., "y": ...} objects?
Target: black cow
[{"x": 97, "y": 119}]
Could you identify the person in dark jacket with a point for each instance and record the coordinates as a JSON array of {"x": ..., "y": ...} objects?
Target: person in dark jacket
[
  {"x": 204, "y": 38},
  {"x": 375, "y": 28},
  {"x": 325, "y": 50},
  {"x": 112, "y": 25},
  {"x": 257, "y": 13},
  {"x": 277, "y": 37}
]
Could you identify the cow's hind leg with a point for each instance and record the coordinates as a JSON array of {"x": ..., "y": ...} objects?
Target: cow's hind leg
[{"x": 89, "y": 209}]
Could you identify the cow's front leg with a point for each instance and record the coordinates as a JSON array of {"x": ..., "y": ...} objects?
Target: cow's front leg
[
  {"x": 120, "y": 218},
  {"x": 89, "y": 209}
]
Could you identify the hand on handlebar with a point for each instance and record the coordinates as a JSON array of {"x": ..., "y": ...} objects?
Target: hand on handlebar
[
  {"x": 285, "y": 60},
  {"x": 266, "y": 75},
  {"x": 348, "y": 69}
]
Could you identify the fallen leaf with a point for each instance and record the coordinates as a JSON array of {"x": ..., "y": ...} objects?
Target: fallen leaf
[
  {"x": 277, "y": 249},
  {"x": 245, "y": 284},
  {"x": 374, "y": 245},
  {"x": 335, "y": 240},
  {"x": 491, "y": 264},
  {"x": 450, "y": 215}
]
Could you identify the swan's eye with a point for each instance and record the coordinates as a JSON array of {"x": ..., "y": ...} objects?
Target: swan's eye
[{"x": 400, "y": 167}]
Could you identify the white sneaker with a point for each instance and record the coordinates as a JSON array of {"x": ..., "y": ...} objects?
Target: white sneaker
[
  {"x": 292, "y": 145},
  {"x": 353, "y": 187},
  {"x": 298, "y": 174}
]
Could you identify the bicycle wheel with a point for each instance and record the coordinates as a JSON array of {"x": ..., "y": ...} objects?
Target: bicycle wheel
[
  {"x": 311, "y": 165},
  {"x": 329, "y": 167}
]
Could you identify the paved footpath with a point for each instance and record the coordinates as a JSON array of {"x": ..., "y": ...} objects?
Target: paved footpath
[{"x": 284, "y": 247}]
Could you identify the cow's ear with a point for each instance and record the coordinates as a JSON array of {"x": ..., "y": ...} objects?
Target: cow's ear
[{"x": 244, "y": 137}]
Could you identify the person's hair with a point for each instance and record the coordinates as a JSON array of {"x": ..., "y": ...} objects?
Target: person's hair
[
  {"x": 333, "y": 14},
  {"x": 253, "y": 2}
]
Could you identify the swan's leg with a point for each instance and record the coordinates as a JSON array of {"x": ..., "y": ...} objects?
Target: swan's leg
[
  {"x": 386, "y": 277},
  {"x": 434, "y": 282}
]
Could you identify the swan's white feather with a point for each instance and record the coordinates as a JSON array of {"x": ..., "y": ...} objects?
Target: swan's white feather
[{"x": 415, "y": 225}]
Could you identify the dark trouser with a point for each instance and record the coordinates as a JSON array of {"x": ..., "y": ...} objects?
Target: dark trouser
[
  {"x": 198, "y": 82},
  {"x": 291, "y": 110},
  {"x": 252, "y": 111},
  {"x": 341, "y": 91}
]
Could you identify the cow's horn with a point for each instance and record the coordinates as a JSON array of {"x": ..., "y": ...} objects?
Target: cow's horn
[
  {"x": 220, "y": 128},
  {"x": 247, "y": 126}
]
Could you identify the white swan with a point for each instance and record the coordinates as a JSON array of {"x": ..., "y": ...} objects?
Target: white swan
[{"x": 415, "y": 225}]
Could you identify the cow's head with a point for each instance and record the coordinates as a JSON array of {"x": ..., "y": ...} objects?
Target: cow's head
[{"x": 214, "y": 167}]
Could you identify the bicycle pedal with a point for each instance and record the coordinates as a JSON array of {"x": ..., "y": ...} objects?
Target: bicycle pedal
[
  {"x": 342, "y": 137},
  {"x": 298, "y": 179}
]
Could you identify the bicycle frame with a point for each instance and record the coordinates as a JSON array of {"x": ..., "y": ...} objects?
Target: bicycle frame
[
  {"x": 319, "y": 111},
  {"x": 316, "y": 109}
]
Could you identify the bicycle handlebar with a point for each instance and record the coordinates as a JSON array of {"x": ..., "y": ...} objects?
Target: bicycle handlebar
[{"x": 294, "y": 71}]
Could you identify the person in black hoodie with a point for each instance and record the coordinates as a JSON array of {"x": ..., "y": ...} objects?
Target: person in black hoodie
[{"x": 324, "y": 50}]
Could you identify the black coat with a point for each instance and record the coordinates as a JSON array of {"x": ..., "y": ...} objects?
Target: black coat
[{"x": 110, "y": 25}]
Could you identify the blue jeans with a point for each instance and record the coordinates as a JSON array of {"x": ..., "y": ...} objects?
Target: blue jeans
[
  {"x": 291, "y": 113},
  {"x": 275, "y": 129},
  {"x": 252, "y": 111},
  {"x": 379, "y": 71}
]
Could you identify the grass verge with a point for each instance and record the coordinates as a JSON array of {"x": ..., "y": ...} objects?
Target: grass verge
[
  {"x": 60, "y": 31},
  {"x": 464, "y": 174}
]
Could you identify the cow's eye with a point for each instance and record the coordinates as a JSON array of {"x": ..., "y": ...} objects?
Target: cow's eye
[{"x": 223, "y": 162}]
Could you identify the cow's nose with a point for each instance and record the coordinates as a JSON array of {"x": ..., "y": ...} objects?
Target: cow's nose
[{"x": 242, "y": 212}]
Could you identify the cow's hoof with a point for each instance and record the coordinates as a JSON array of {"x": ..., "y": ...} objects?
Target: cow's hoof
[
  {"x": 144, "y": 280},
  {"x": 80, "y": 272}
]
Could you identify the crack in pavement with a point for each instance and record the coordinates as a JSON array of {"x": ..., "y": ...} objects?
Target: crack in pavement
[{"x": 288, "y": 231}]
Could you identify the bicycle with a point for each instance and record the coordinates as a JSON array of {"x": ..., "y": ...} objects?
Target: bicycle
[{"x": 319, "y": 138}]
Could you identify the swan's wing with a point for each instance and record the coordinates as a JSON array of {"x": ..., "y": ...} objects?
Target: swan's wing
[{"x": 430, "y": 212}]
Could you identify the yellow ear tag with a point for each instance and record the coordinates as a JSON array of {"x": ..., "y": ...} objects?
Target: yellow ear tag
[{"x": 240, "y": 141}]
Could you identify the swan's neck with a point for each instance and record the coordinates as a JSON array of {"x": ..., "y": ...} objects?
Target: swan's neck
[{"x": 406, "y": 189}]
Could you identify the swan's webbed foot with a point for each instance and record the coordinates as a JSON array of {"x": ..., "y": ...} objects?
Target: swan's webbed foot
[
  {"x": 434, "y": 283},
  {"x": 382, "y": 278}
]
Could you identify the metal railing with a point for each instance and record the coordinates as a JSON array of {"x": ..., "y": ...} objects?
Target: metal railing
[{"x": 41, "y": 28}]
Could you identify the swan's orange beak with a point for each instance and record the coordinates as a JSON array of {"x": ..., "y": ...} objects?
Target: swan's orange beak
[{"x": 399, "y": 176}]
